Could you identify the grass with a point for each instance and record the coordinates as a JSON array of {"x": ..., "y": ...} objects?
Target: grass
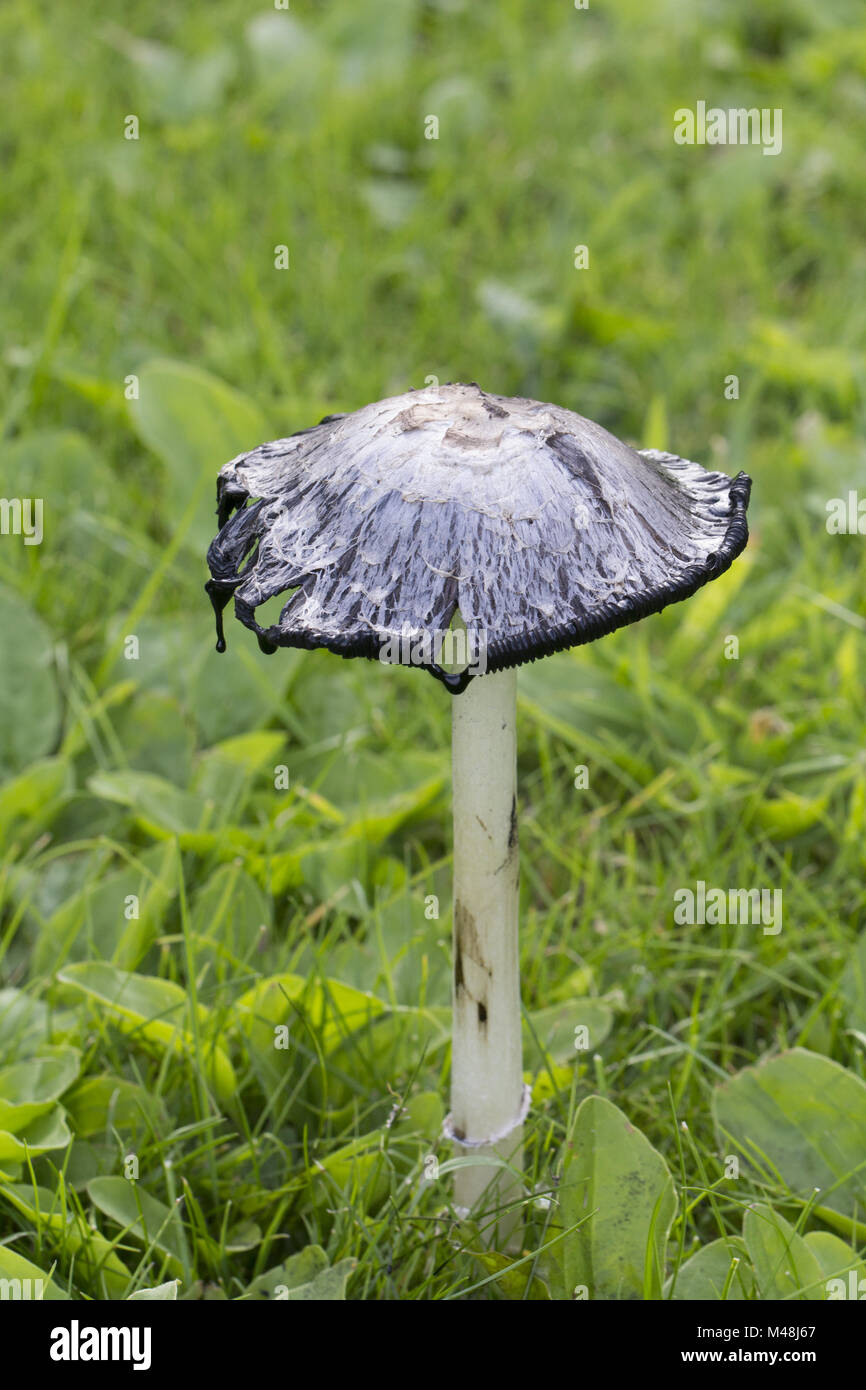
[{"x": 408, "y": 258}]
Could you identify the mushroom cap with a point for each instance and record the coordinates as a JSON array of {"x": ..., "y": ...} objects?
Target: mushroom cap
[{"x": 540, "y": 527}]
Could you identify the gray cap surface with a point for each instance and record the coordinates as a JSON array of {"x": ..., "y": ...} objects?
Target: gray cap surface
[{"x": 540, "y": 527}]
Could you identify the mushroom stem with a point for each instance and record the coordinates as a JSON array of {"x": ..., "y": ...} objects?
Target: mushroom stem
[{"x": 487, "y": 1090}]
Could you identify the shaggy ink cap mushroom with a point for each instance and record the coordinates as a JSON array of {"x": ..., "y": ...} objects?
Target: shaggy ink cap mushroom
[
  {"x": 539, "y": 527},
  {"x": 541, "y": 531}
]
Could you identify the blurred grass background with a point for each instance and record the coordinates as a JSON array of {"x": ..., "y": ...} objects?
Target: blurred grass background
[{"x": 409, "y": 257}]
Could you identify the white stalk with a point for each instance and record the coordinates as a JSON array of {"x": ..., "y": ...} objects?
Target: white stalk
[{"x": 487, "y": 1091}]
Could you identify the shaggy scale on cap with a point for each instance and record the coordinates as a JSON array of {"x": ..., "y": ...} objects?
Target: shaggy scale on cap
[{"x": 540, "y": 527}]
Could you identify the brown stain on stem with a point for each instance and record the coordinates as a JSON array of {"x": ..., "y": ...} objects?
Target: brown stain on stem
[
  {"x": 512, "y": 826},
  {"x": 467, "y": 944},
  {"x": 512, "y": 848}
]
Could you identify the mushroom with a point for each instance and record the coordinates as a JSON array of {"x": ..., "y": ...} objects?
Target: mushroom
[{"x": 540, "y": 531}]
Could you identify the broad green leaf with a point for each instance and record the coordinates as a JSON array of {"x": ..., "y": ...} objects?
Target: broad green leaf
[
  {"x": 237, "y": 776},
  {"x": 423, "y": 1114},
  {"x": 325, "y": 707},
  {"x": 380, "y": 818},
  {"x": 386, "y": 1048},
  {"x": 552, "y": 1032},
  {"x": 49, "y": 1131},
  {"x": 195, "y": 423},
  {"x": 24, "y": 1024},
  {"x": 294, "y": 1272},
  {"x": 390, "y": 202},
  {"x": 323, "y": 866},
  {"x": 164, "y": 812},
  {"x": 844, "y": 1274},
  {"x": 157, "y": 892},
  {"x": 142, "y": 1216},
  {"x": 329, "y": 1011},
  {"x": 359, "y": 1172},
  {"x": 101, "y": 1103},
  {"x": 178, "y": 86},
  {"x": 617, "y": 1186},
  {"x": 329, "y": 1286},
  {"x": 279, "y": 42},
  {"x": 155, "y": 1011},
  {"x": 21, "y": 1279},
  {"x": 34, "y": 793},
  {"x": 84, "y": 1248},
  {"x": 86, "y": 1159},
  {"x": 29, "y": 1089},
  {"x": 229, "y": 915},
  {"x": 513, "y": 1282},
  {"x": 803, "y": 1116},
  {"x": 160, "y": 808},
  {"x": 29, "y": 698},
  {"x": 115, "y": 915},
  {"x": 225, "y": 695},
  {"x": 378, "y": 35},
  {"x": 723, "y": 1264},
  {"x": 160, "y": 1293},
  {"x": 227, "y": 766},
  {"x": 157, "y": 736},
  {"x": 59, "y": 463},
  {"x": 247, "y": 1235},
  {"x": 784, "y": 1265},
  {"x": 326, "y": 865}
]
